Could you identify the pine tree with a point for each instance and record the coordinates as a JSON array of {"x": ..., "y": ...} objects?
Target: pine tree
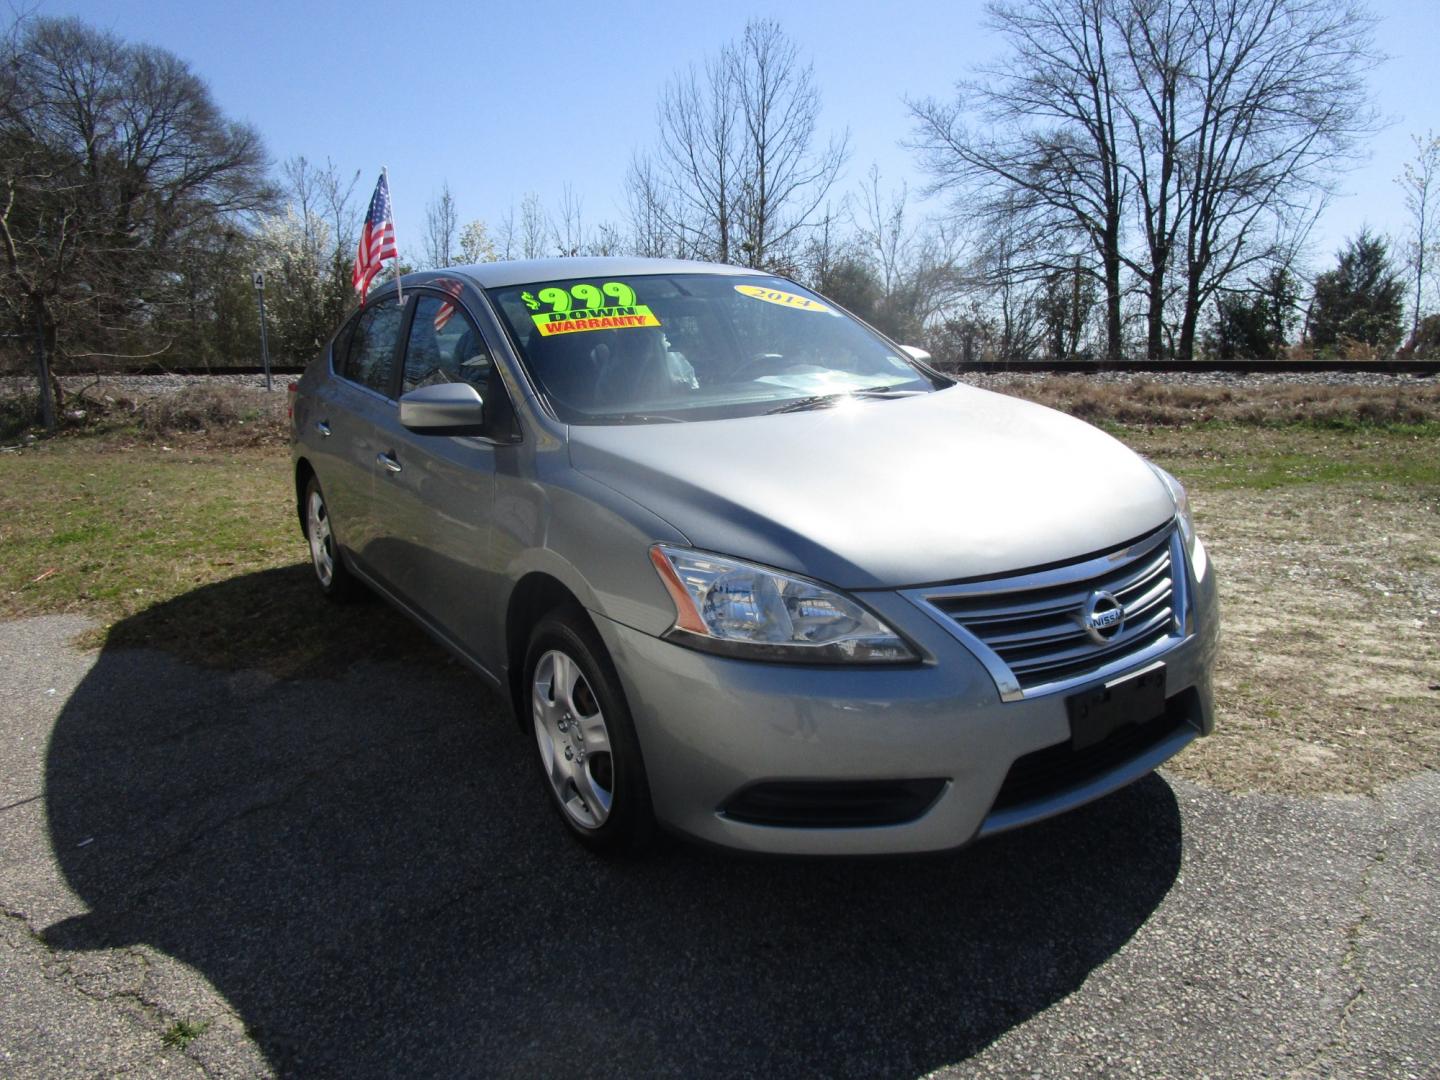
[{"x": 1360, "y": 302}]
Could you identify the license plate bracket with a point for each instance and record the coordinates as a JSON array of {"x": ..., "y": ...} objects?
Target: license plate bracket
[{"x": 1095, "y": 714}]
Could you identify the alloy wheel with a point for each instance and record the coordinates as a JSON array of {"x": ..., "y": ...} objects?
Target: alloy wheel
[
  {"x": 573, "y": 740},
  {"x": 322, "y": 545}
]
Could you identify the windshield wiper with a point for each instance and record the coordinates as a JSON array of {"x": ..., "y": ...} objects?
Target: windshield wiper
[
  {"x": 634, "y": 418},
  {"x": 820, "y": 401}
]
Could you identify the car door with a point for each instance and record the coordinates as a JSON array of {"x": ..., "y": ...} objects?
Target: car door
[
  {"x": 435, "y": 495},
  {"x": 349, "y": 415}
]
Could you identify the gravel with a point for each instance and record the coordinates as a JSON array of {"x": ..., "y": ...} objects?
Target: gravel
[
  {"x": 1220, "y": 379},
  {"x": 129, "y": 385},
  {"x": 167, "y": 384}
]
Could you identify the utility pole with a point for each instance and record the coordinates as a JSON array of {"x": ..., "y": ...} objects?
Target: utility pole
[
  {"x": 42, "y": 369},
  {"x": 259, "y": 279}
]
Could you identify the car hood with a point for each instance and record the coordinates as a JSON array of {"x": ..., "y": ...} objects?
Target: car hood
[{"x": 886, "y": 492}]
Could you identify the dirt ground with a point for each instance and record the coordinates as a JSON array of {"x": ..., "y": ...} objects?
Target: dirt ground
[{"x": 1329, "y": 674}]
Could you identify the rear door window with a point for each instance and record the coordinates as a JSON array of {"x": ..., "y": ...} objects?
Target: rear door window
[{"x": 371, "y": 357}]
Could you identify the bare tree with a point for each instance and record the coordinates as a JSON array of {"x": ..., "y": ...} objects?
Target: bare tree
[
  {"x": 826, "y": 245},
  {"x": 1170, "y": 137},
  {"x": 1274, "y": 110},
  {"x": 1015, "y": 292},
  {"x": 1044, "y": 167},
  {"x": 569, "y": 230},
  {"x": 1420, "y": 181},
  {"x": 441, "y": 224},
  {"x": 1153, "y": 55},
  {"x": 1064, "y": 303},
  {"x": 571, "y": 237},
  {"x": 648, "y": 210},
  {"x": 535, "y": 227},
  {"x": 337, "y": 200},
  {"x": 697, "y": 161},
  {"x": 605, "y": 239},
  {"x": 783, "y": 179},
  {"x": 915, "y": 264},
  {"x": 114, "y": 160},
  {"x": 883, "y": 227},
  {"x": 507, "y": 237},
  {"x": 736, "y": 175},
  {"x": 337, "y": 197}
]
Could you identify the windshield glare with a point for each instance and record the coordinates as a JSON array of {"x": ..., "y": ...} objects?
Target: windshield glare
[{"x": 693, "y": 347}]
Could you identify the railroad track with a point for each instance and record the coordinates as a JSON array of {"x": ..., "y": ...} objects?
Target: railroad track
[{"x": 1422, "y": 368}]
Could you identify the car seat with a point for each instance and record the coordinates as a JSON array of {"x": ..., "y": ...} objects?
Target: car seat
[
  {"x": 637, "y": 366},
  {"x": 565, "y": 366}
]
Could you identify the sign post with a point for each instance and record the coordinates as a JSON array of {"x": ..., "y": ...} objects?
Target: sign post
[{"x": 259, "y": 280}]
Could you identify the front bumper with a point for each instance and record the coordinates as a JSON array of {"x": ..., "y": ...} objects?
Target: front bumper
[{"x": 711, "y": 727}]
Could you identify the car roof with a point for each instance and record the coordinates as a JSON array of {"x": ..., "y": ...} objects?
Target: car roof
[{"x": 522, "y": 272}]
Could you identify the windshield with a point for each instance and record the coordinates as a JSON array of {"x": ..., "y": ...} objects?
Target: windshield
[{"x": 655, "y": 349}]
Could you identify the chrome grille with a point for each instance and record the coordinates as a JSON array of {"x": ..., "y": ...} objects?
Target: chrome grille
[{"x": 1030, "y": 629}]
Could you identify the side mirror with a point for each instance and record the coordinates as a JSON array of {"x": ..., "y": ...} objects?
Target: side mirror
[
  {"x": 445, "y": 409},
  {"x": 916, "y": 353}
]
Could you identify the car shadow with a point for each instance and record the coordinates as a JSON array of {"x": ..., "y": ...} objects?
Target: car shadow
[{"x": 368, "y": 869}]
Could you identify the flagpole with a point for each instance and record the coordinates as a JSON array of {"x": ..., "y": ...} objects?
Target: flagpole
[{"x": 399, "y": 289}]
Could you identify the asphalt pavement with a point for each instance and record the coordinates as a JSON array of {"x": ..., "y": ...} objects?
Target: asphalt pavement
[{"x": 219, "y": 874}]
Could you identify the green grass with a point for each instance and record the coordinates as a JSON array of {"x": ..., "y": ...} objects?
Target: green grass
[
  {"x": 110, "y": 531},
  {"x": 1260, "y": 458},
  {"x": 198, "y": 551},
  {"x": 182, "y": 1033}
]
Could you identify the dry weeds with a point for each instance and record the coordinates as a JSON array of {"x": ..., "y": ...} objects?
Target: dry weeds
[
  {"x": 197, "y": 416},
  {"x": 1154, "y": 401}
]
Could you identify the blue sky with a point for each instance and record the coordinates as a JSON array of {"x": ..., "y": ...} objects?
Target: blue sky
[{"x": 501, "y": 99}]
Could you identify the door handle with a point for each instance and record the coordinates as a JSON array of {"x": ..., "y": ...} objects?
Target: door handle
[
  {"x": 389, "y": 461},
  {"x": 322, "y": 427}
]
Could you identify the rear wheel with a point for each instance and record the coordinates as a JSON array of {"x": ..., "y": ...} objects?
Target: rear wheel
[
  {"x": 589, "y": 755},
  {"x": 335, "y": 581}
]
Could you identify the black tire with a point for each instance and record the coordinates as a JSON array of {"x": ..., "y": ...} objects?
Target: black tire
[
  {"x": 331, "y": 574},
  {"x": 564, "y": 704}
]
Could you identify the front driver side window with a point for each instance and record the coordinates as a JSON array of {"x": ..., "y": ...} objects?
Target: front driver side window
[{"x": 444, "y": 347}]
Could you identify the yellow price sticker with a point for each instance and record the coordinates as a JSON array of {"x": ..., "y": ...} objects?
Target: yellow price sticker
[
  {"x": 784, "y": 299},
  {"x": 551, "y": 323}
]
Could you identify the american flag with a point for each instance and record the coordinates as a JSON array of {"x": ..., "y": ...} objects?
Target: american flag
[
  {"x": 447, "y": 308},
  {"x": 377, "y": 240}
]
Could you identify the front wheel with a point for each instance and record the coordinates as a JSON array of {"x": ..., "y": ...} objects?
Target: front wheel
[
  {"x": 589, "y": 754},
  {"x": 335, "y": 581}
]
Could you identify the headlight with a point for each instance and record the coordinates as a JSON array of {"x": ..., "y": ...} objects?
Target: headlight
[
  {"x": 1187, "y": 523},
  {"x": 739, "y": 609}
]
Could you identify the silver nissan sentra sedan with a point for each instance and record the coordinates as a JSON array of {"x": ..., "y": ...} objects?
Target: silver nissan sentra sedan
[{"x": 744, "y": 568}]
